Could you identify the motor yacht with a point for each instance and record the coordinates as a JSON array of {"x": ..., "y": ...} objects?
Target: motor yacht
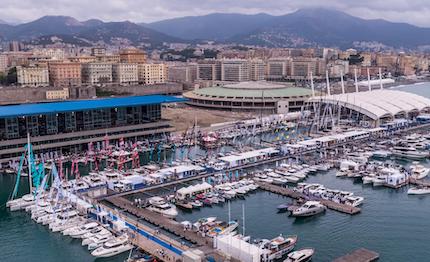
[
  {"x": 379, "y": 180},
  {"x": 409, "y": 152},
  {"x": 80, "y": 229},
  {"x": 418, "y": 171},
  {"x": 279, "y": 181},
  {"x": 309, "y": 208},
  {"x": 278, "y": 247},
  {"x": 159, "y": 205},
  {"x": 87, "y": 239},
  {"x": 301, "y": 255},
  {"x": 21, "y": 203},
  {"x": 419, "y": 190},
  {"x": 113, "y": 247},
  {"x": 96, "y": 231},
  {"x": 368, "y": 179},
  {"x": 61, "y": 224},
  {"x": 97, "y": 241},
  {"x": 354, "y": 201},
  {"x": 94, "y": 180}
]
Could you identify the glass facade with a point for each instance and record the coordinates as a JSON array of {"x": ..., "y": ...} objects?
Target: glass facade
[{"x": 51, "y": 124}]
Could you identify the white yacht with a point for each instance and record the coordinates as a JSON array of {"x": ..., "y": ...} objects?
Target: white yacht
[
  {"x": 75, "y": 229},
  {"x": 20, "y": 203},
  {"x": 354, "y": 201},
  {"x": 301, "y": 255},
  {"x": 97, "y": 241},
  {"x": 309, "y": 208},
  {"x": 419, "y": 171},
  {"x": 279, "y": 181},
  {"x": 95, "y": 231},
  {"x": 368, "y": 179},
  {"x": 113, "y": 247},
  {"x": 379, "y": 180},
  {"x": 95, "y": 237},
  {"x": 419, "y": 190},
  {"x": 159, "y": 205},
  {"x": 278, "y": 247},
  {"x": 94, "y": 180},
  {"x": 409, "y": 152},
  {"x": 65, "y": 220}
]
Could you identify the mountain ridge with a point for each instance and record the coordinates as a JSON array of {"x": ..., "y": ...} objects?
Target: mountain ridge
[{"x": 93, "y": 29}]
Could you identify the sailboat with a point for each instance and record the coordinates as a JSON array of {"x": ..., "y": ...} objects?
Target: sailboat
[{"x": 35, "y": 177}]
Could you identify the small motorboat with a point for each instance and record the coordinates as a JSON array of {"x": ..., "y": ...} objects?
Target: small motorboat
[
  {"x": 419, "y": 190},
  {"x": 367, "y": 180},
  {"x": 310, "y": 208},
  {"x": 196, "y": 204},
  {"x": 379, "y": 180},
  {"x": 283, "y": 207},
  {"x": 301, "y": 255}
]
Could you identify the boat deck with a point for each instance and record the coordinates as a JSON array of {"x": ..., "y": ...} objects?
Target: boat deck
[
  {"x": 347, "y": 209},
  {"x": 419, "y": 182},
  {"x": 359, "y": 255}
]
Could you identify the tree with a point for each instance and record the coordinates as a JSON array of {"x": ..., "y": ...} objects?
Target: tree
[{"x": 11, "y": 77}]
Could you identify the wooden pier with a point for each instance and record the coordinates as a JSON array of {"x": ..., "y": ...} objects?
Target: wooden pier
[
  {"x": 205, "y": 244},
  {"x": 343, "y": 208},
  {"x": 359, "y": 255},
  {"x": 159, "y": 221}
]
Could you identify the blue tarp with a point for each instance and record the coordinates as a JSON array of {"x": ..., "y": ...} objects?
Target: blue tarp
[{"x": 81, "y": 105}]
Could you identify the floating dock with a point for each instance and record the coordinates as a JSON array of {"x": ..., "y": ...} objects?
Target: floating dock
[
  {"x": 359, "y": 255},
  {"x": 204, "y": 244},
  {"x": 343, "y": 208}
]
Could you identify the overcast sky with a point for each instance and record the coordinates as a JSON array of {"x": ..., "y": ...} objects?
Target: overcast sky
[{"x": 411, "y": 11}]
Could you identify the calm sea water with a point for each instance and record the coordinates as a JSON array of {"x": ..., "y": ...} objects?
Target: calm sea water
[{"x": 391, "y": 222}]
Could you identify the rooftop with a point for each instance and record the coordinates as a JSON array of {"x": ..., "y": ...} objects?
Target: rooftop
[
  {"x": 256, "y": 85},
  {"x": 71, "y": 106},
  {"x": 254, "y": 90},
  {"x": 378, "y": 103}
]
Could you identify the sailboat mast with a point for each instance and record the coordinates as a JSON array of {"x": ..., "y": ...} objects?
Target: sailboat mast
[
  {"x": 229, "y": 212},
  {"x": 356, "y": 83},
  {"x": 243, "y": 218},
  {"x": 29, "y": 162}
]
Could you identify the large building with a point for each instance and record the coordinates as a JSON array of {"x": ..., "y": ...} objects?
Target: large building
[
  {"x": 97, "y": 73},
  {"x": 125, "y": 73},
  {"x": 60, "y": 94},
  {"x": 150, "y": 74},
  {"x": 32, "y": 75},
  {"x": 65, "y": 74},
  {"x": 258, "y": 96},
  {"x": 257, "y": 70},
  {"x": 68, "y": 127},
  {"x": 278, "y": 68},
  {"x": 209, "y": 70},
  {"x": 133, "y": 56},
  {"x": 182, "y": 73},
  {"x": 302, "y": 67},
  {"x": 3, "y": 63},
  {"x": 235, "y": 70}
]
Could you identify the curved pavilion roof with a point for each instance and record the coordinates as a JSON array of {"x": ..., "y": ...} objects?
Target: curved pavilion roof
[
  {"x": 250, "y": 90},
  {"x": 377, "y": 104}
]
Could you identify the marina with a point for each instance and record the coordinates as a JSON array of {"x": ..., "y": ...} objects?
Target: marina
[{"x": 152, "y": 201}]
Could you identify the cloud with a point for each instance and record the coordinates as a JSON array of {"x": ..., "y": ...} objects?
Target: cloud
[{"x": 410, "y": 11}]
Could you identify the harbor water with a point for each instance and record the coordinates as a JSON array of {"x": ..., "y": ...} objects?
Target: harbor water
[{"x": 391, "y": 222}]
